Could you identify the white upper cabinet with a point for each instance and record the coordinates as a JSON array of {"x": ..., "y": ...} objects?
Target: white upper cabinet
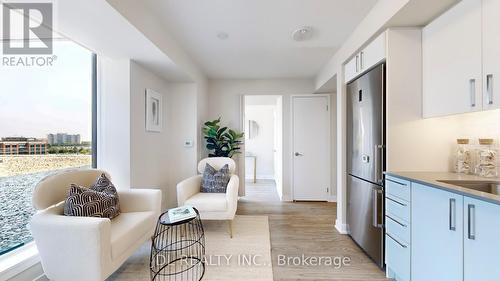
[
  {"x": 370, "y": 56},
  {"x": 373, "y": 53},
  {"x": 351, "y": 68},
  {"x": 452, "y": 62},
  {"x": 491, "y": 54}
]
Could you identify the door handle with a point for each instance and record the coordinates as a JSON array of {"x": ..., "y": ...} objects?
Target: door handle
[
  {"x": 376, "y": 159},
  {"x": 471, "y": 222},
  {"x": 489, "y": 88},
  {"x": 375, "y": 203},
  {"x": 472, "y": 91},
  {"x": 453, "y": 215},
  {"x": 298, "y": 154}
]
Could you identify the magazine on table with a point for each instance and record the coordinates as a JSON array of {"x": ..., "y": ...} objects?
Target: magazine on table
[{"x": 181, "y": 213}]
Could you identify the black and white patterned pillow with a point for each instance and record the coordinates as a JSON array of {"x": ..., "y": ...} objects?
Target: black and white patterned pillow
[
  {"x": 103, "y": 184},
  {"x": 100, "y": 200},
  {"x": 214, "y": 181}
]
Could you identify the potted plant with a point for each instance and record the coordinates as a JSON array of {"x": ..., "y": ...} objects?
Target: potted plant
[{"x": 221, "y": 141}]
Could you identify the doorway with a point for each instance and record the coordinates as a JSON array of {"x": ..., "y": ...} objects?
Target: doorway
[{"x": 263, "y": 125}]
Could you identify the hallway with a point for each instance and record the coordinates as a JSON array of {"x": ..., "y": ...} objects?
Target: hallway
[{"x": 306, "y": 228}]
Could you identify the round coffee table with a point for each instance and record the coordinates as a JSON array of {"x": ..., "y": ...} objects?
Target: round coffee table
[{"x": 178, "y": 249}]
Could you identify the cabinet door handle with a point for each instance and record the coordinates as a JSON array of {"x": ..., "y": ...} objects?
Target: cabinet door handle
[
  {"x": 397, "y": 202},
  {"x": 489, "y": 88},
  {"x": 396, "y": 182},
  {"x": 361, "y": 64},
  {"x": 471, "y": 222},
  {"x": 357, "y": 63},
  {"x": 453, "y": 216},
  {"x": 394, "y": 239},
  {"x": 472, "y": 91},
  {"x": 396, "y": 221}
]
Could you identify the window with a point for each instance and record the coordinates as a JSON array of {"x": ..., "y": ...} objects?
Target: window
[{"x": 47, "y": 123}]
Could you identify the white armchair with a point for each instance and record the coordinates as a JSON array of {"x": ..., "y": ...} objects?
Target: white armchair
[
  {"x": 212, "y": 206},
  {"x": 85, "y": 248}
]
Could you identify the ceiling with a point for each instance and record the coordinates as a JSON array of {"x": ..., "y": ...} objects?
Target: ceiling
[{"x": 259, "y": 43}]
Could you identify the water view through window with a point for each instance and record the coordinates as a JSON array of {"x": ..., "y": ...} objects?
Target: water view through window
[{"x": 45, "y": 126}]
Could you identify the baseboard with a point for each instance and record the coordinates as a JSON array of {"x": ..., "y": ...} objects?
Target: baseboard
[{"x": 341, "y": 227}]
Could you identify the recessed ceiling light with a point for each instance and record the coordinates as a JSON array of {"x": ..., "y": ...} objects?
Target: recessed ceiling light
[
  {"x": 222, "y": 35},
  {"x": 302, "y": 34}
]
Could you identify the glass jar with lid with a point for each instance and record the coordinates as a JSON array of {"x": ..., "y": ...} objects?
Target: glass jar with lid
[
  {"x": 463, "y": 157},
  {"x": 487, "y": 158}
]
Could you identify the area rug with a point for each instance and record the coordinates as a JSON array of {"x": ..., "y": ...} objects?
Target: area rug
[{"x": 247, "y": 256}]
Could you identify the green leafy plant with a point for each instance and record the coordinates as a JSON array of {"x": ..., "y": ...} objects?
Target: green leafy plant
[{"x": 221, "y": 141}]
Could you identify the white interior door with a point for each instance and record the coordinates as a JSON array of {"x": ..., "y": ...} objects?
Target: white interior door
[{"x": 311, "y": 148}]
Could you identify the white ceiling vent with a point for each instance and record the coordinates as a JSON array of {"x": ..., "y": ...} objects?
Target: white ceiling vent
[{"x": 302, "y": 34}]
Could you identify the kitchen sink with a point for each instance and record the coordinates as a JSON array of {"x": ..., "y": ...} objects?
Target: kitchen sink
[{"x": 482, "y": 186}]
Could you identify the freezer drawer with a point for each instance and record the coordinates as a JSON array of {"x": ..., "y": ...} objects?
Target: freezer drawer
[{"x": 365, "y": 216}]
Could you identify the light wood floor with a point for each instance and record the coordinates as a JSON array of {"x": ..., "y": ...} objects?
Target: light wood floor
[{"x": 306, "y": 228}]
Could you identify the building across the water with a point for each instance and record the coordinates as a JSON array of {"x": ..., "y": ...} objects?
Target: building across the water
[
  {"x": 63, "y": 139},
  {"x": 21, "y": 145}
]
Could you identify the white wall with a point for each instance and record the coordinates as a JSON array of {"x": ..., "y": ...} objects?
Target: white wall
[
  {"x": 137, "y": 158},
  {"x": 182, "y": 126},
  {"x": 278, "y": 140},
  {"x": 161, "y": 159},
  {"x": 149, "y": 153},
  {"x": 261, "y": 145},
  {"x": 113, "y": 151},
  {"x": 225, "y": 101}
]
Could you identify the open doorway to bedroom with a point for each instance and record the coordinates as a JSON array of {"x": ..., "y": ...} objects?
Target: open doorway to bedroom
[{"x": 263, "y": 124}]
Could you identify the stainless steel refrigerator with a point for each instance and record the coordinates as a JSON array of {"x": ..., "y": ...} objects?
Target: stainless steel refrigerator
[{"x": 366, "y": 162}]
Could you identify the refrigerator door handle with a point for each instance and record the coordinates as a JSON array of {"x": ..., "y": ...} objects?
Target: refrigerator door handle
[
  {"x": 378, "y": 172},
  {"x": 375, "y": 207}
]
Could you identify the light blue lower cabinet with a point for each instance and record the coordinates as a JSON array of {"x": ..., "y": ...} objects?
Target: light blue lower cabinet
[
  {"x": 436, "y": 234},
  {"x": 481, "y": 240},
  {"x": 397, "y": 229},
  {"x": 447, "y": 237},
  {"x": 397, "y": 257}
]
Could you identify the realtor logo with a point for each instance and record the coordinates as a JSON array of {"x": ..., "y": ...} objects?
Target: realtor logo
[{"x": 19, "y": 40}]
